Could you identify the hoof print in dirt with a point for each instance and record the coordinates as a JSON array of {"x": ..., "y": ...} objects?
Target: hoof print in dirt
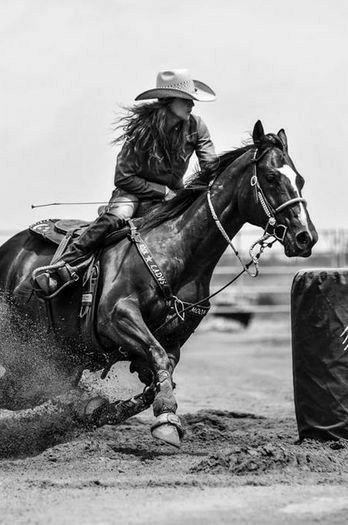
[{"x": 273, "y": 458}]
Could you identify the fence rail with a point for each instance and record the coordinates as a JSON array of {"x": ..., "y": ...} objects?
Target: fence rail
[
  {"x": 266, "y": 270},
  {"x": 252, "y": 309}
]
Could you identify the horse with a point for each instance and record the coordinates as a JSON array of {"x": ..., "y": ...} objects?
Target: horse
[{"x": 185, "y": 238}]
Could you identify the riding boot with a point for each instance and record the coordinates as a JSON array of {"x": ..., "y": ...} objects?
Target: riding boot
[
  {"x": 92, "y": 238},
  {"x": 65, "y": 271}
]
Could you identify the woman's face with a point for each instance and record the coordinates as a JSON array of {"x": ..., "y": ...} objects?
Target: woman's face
[{"x": 181, "y": 108}]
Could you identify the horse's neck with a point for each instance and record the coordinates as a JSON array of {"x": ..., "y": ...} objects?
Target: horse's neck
[{"x": 198, "y": 242}]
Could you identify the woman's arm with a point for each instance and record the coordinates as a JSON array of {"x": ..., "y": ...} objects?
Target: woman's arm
[
  {"x": 127, "y": 178},
  {"x": 205, "y": 149}
]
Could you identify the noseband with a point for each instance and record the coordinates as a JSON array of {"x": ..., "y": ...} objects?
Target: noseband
[{"x": 272, "y": 228}]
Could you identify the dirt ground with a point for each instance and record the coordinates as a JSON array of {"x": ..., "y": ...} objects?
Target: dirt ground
[{"x": 239, "y": 461}]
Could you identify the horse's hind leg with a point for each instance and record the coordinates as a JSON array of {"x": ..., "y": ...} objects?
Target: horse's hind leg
[{"x": 126, "y": 325}]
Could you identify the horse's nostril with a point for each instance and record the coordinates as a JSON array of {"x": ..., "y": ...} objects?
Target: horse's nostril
[{"x": 303, "y": 239}]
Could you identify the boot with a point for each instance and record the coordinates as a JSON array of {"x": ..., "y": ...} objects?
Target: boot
[
  {"x": 65, "y": 271},
  {"x": 92, "y": 238}
]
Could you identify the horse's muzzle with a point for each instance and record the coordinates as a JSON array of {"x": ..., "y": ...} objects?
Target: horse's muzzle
[{"x": 300, "y": 244}]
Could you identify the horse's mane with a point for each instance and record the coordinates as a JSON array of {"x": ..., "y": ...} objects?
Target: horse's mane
[{"x": 198, "y": 184}]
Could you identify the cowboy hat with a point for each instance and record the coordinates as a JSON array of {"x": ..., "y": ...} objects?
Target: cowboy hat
[{"x": 178, "y": 83}]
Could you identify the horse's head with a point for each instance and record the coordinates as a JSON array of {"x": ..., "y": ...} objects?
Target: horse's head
[{"x": 276, "y": 189}]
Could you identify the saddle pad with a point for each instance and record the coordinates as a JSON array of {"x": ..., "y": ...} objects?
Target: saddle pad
[{"x": 54, "y": 230}]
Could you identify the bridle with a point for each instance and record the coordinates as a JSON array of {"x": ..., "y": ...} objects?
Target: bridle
[{"x": 272, "y": 228}]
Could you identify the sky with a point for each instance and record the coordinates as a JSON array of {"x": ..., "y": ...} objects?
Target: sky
[{"x": 68, "y": 67}]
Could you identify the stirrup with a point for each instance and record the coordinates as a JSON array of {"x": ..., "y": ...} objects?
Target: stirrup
[
  {"x": 51, "y": 280},
  {"x": 67, "y": 273}
]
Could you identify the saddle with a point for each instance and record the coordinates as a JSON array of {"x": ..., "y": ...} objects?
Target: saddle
[
  {"x": 55, "y": 231},
  {"x": 60, "y": 233}
]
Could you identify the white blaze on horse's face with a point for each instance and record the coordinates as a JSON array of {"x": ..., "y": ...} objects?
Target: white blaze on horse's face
[{"x": 291, "y": 176}]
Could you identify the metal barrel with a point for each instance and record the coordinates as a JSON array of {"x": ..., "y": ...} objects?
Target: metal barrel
[{"x": 319, "y": 322}]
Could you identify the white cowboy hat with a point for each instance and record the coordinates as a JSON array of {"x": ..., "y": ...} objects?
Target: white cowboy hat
[{"x": 178, "y": 83}]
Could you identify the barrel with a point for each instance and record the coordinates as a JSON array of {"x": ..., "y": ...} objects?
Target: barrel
[{"x": 319, "y": 324}]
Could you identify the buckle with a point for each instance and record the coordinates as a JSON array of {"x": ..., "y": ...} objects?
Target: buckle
[
  {"x": 278, "y": 231},
  {"x": 67, "y": 273}
]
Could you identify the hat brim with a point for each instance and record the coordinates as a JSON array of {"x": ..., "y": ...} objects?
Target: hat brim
[{"x": 202, "y": 93}]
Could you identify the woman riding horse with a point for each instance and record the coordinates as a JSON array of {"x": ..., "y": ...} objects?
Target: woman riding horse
[
  {"x": 159, "y": 139},
  {"x": 136, "y": 319}
]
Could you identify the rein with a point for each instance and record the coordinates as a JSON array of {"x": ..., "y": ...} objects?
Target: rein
[{"x": 191, "y": 306}]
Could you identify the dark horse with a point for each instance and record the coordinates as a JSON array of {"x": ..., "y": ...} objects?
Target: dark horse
[{"x": 257, "y": 183}]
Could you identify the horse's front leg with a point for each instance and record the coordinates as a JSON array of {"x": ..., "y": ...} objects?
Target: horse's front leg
[{"x": 124, "y": 323}]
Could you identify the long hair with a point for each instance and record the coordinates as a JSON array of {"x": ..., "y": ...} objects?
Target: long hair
[{"x": 145, "y": 134}]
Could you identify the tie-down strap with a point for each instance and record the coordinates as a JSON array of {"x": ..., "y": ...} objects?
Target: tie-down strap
[{"x": 151, "y": 264}]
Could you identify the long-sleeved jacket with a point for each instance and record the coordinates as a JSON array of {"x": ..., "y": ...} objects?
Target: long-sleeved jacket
[{"x": 147, "y": 184}]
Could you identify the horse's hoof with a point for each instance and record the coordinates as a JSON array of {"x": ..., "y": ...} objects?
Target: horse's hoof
[
  {"x": 86, "y": 409},
  {"x": 168, "y": 434},
  {"x": 93, "y": 405},
  {"x": 167, "y": 428}
]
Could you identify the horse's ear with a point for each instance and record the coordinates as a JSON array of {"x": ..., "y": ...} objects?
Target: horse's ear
[
  {"x": 258, "y": 132},
  {"x": 282, "y": 135}
]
